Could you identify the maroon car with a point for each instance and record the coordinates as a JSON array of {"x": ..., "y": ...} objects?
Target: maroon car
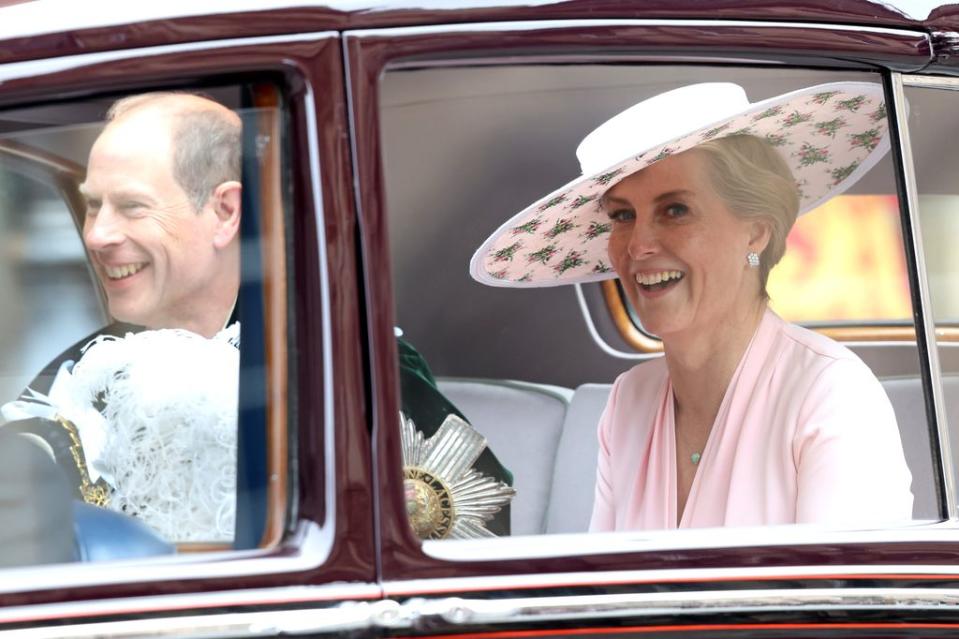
[{"x": 382, "y": 143}]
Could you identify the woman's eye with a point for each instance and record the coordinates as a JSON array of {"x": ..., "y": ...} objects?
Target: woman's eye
[
  {"x": 676, "y": 210},
  {"x": 622, "y": 215}
]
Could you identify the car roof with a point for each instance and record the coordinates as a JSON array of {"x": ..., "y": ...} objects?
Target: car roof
[{"x": 44, "y": 28}]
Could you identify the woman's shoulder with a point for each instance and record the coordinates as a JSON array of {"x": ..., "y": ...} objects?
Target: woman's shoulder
[
  {"x": 648, "y": 371},
  {"x": 642, "y": 380},
  {"x": 819, "y": 357},
  {"x": 805, "y": 343}
]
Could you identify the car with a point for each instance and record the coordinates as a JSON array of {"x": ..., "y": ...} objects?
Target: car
[{"x": 383, "y": 142}]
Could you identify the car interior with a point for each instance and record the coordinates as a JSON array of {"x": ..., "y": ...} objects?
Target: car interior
[{"x": 531, "y": 369}]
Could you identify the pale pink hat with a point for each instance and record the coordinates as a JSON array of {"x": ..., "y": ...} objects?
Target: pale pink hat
[{"x": 830, "y": 135}]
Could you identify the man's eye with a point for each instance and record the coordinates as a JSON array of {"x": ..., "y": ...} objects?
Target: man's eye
[
  {"x": 622, "y": 215},
  {"x": 130, "y": 207},
  {"x": 92, "y": 208}
]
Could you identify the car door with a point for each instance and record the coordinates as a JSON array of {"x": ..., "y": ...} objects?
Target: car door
[
  {"x": 458, "y": 126},
  {"x": 302, "y": 546}
]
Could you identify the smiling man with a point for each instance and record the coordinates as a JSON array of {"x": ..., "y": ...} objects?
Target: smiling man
[
  {"x": 163, "y": 200},
  {"x": 163, "y": 211},
  {"x": 161, "y": 228}
]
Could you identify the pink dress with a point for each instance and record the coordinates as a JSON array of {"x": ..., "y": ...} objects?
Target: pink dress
[{"x": 804, "y": 434}]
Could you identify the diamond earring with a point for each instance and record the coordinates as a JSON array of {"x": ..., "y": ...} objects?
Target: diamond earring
[{"x": 752, "y": 258}]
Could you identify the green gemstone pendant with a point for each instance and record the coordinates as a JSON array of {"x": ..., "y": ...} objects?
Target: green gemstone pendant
[{"x": 695, "y": 457}]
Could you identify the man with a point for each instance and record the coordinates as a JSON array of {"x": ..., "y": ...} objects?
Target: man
[
  {"x": 162, "y": 232},
  {"x": 163, "y": 212},
  {"x": 162, "y": 224}
]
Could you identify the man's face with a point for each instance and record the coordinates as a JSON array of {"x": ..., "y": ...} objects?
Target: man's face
[{"x": 153, "y": 253}]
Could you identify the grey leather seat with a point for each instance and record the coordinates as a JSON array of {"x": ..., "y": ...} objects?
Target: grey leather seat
[
  {"x": 522, "y": 424},
  {"x": 546, "y": 436}
]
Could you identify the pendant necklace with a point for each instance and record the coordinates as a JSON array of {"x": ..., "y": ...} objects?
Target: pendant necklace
[{"x": 695, "y": 457}]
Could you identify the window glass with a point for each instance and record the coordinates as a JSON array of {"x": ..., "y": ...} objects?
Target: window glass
[
  {"x": 121, "y": 225},
  {"x": 532, "y": 368},
  {"x": 845, "y": 265},
  {"x": 931, "y": 119}
]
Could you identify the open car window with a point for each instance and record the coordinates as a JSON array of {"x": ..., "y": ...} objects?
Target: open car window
[
  {"x": 147, "y": 435},
  {"x": 532, "y": 369}
]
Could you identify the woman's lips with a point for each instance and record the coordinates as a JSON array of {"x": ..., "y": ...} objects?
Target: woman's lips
[{"x": 653, "y": 284}]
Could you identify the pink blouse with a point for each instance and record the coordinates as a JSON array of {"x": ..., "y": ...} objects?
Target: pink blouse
[{"x": 804, "y": 434}]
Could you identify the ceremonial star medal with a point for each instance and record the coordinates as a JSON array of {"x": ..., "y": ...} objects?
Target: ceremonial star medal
[{"x": 446, "y": 498}]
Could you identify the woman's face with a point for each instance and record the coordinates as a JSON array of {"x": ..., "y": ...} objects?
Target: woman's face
[{"x": 679, "y": 251}]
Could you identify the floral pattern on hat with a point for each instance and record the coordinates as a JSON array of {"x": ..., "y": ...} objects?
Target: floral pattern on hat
[
  {"x": 795, "y": 118},
  {"x": 823, "y": 97},
  {"x": 570, "y": 260},
  {"x": 528, "y": 227},
  {"x": 543, "y": 255},
  {"x": 828, "y": 135},
  {"x": 830, "y": 127}
]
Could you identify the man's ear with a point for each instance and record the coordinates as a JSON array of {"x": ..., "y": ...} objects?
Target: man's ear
[{"x": 225, "y": 201}]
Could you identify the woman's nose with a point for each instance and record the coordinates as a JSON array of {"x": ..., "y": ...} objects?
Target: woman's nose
[{"x": 642, "y": 241}]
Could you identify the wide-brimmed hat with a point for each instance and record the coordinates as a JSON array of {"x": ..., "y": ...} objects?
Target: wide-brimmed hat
[{"x": 830, "y": 135}]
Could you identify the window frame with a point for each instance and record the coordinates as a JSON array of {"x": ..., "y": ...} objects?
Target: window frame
[
  {"x": 372, "y": 52},
  {"x": 315, "y": 540}
]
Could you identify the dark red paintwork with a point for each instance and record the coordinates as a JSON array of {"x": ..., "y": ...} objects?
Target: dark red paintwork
[
  {"x": 343, "y": 16},
  {"x": 301, "y": 66},
  {"x": 402, "y": 556},
  {"x": 370, "y": 521}
]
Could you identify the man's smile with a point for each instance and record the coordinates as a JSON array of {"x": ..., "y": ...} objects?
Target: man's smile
[{"x": 123, "y": 271}]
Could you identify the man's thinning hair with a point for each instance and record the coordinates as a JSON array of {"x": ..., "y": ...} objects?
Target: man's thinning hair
[{"x": 206, "y": 140}]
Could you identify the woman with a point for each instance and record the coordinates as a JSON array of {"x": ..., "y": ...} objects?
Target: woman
[{"x": 747, "y": 420}]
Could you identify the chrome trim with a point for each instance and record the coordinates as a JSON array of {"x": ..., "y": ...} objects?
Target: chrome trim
[
  {"x": 706, "y": 576},
  {"x": 484, "y": 612},
  {"x": 945, "y": 44},
  {"x": 329, "y": 416},
  {"x": 531, "y": 25},
  {"x": 579, "y": 544},
  {"x": 597, "y": 338},
  {"x": 586, "y": 58},
  {"x": 196, "y": 602},
  {"x": 460, "y": 612},
  {"x": 900, "y": 108},
  {"x": 931, "y": 82},
  {"x": 343, "y": 618}
]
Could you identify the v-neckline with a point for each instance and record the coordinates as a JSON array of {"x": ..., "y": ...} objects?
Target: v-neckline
[{"x": 679, "y": 518}]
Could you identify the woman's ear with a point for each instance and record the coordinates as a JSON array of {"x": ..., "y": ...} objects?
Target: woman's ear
[
  {"x": 759, "y": 236},
  {"x": 225, "y": 201}
]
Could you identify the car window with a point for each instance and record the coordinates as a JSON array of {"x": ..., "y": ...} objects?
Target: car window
[
  {"x": 930, "y": 121},
  {"x": 139, "y": 233},
  {"x": 531, "y": 369}
]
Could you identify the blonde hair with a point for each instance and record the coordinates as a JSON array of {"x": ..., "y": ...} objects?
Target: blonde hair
[{"x": 755, "y": 182}]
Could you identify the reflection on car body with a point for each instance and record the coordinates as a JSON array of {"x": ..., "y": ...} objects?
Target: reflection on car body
[{"x": 381, "y": 146}]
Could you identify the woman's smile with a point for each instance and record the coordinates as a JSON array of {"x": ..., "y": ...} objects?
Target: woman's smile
[{"x": 679, "y": 251}]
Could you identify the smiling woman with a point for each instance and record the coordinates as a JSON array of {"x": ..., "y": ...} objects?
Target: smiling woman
[
  {"x": 687, "y": 197},
  {"x": 747, "y": 420}
]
